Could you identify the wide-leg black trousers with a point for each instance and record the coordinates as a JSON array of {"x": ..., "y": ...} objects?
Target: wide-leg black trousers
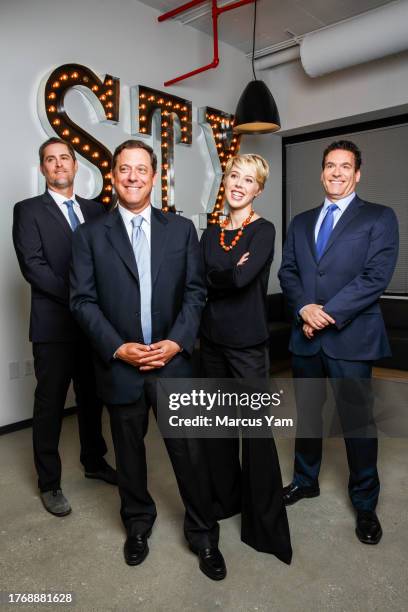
[{"x": 255, "y": 489}]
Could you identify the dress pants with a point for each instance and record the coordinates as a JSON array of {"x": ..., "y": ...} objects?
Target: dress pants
[
  {"x": 256, "y": 488},
  {"x": 55, "y": 365},
  {"x": 129, "y": 425},
  {"x": 354, "y": 405}
]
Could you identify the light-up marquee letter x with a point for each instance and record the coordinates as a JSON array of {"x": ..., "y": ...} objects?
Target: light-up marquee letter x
[{"x": 222, "y": 145}]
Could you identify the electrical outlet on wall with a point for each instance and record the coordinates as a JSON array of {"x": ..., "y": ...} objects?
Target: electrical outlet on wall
[
  {"x": 14, "y": 370},
  {"x": 28, "y": 367}
]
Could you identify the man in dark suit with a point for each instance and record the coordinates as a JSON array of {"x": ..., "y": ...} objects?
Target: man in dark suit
[
  {"x": 337, "y": 261},
  {"x": 137, "y": 291},
  {"x": 42, "y": 235}
]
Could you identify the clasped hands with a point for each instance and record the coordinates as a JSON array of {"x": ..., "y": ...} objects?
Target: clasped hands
[
  {"x": 148, "y": 356},
  {"x": 314, "y": 319}
]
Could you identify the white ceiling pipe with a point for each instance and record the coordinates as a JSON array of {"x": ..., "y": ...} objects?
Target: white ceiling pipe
[
  {"x": 277, "y": 58},
  {"x": 376, "y": 34}
]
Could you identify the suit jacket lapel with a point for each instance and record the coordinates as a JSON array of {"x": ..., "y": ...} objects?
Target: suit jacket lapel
[
  {"x": 310, "y": 229},
  {"x": 349, "y": 214},
  {"x": 55, "y": 211},
  {"x": 158, "y": 239},
  {"x": 119, "y": 239}
]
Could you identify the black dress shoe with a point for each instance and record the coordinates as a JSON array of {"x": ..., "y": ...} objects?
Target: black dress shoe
[
  {"x": 212, "y": 562},
  {"x": 293, "y": 493},
  {"x": 105, "y": 473},
  {"x": 368, "y": 527},
  {"x": 136, "y": 548}
]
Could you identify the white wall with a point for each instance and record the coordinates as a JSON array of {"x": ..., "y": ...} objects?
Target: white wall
[
  {"x": 371, "y": 87},
  {"x": 124, "y": 39}
]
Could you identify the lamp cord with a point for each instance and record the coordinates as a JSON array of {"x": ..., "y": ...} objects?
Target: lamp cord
[{"x": 253, "y": 42}]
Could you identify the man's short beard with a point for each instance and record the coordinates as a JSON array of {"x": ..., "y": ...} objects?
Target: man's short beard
[{"x": 61, "y": 183}]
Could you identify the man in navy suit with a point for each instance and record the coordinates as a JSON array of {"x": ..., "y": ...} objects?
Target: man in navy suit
[
  {"x": 337, "y": 261},
  {"x": 42, "y": 235},
  {"x": 137, "y": 290}
]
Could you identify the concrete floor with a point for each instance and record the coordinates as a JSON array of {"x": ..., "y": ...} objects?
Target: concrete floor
[{"x": 331, "y": 570}]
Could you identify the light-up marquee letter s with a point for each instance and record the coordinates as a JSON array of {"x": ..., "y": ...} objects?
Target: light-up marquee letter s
[
  {"x": 104, "y": 98},
  {"x": 175, "y": 127},
  {"x": 222, "y": 144}
]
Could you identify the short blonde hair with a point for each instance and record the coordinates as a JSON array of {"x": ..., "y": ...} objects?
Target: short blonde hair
[{"x": 259, "y": 164}]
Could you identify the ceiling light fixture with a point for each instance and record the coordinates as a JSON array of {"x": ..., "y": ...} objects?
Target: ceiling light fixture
[{"x": 256, "y": 112}]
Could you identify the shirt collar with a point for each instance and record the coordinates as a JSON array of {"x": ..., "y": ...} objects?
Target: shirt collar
[
  {"x": 60, "y": 199},
  {"x": 342, "y": 204},
  {"x": 128, "y": 215}
]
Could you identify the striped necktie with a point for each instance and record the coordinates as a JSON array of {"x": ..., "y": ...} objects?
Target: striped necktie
[
  {"x": 73, "y": 219},
  {"x": 142, "y": 254}
]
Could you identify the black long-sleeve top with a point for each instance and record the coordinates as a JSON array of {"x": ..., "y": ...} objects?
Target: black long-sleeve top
[{"x": 235, "y": 314}]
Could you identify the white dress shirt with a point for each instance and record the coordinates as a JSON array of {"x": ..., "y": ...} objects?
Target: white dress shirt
[
  {"x": 342, "y": 205},
  {"x": 127, "y": 217},
  {"x": 60, "y": 199}
]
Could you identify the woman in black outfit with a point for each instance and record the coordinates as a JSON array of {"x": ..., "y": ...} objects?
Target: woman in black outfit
[{"x": 237, "y": 258}]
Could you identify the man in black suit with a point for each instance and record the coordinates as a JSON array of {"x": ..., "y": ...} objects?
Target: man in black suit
[
  {"x": 137, "y": 290},
  {"x": 42, "y": 235}
]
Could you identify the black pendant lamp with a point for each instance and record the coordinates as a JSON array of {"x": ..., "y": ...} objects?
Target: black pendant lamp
[{"x": 256, "y": 112}]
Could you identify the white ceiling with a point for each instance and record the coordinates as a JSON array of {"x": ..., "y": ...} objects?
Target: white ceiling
[{"x": 278, "y": 21}]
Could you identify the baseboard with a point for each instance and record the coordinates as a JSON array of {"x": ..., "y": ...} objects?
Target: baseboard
[{"x": 5, "y": 429}]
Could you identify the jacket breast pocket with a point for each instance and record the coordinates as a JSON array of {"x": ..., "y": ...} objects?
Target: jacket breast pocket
[
  {"x": 352, "y": 237},
  {"x": 175, "y": 253}
]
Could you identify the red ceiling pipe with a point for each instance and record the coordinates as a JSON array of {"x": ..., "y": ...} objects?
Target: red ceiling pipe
[
  {"x": 215, "y": 12},
  {"x": 180, "y": 9}
]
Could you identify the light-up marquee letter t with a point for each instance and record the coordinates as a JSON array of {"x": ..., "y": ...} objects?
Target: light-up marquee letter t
[
  {"x": 175, "y": 127},
  {"x": 104, "y": 97}
]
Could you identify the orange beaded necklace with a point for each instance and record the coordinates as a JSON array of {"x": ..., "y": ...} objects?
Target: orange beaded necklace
[{"x": 223, "y": 225}]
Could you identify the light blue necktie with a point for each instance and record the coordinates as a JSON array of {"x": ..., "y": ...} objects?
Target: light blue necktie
[
  {"x": 73, "y": 219},
  {"x": 142, "y": 254},
  {"x": 325, "y": 230}
]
